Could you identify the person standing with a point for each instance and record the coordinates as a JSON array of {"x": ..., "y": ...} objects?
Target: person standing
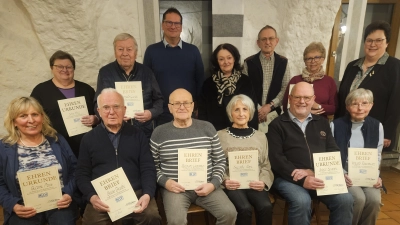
[{"x": 175, "y": 63}]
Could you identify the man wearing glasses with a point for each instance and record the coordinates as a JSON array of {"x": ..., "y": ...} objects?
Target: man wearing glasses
[
  {"x": 175, "y": 63},
  {"x": 186, "y": 132},
  {"x": 292, "y": 139},
  {"x": 269, "y": 73},
  {"x": 111, "y": 145}
]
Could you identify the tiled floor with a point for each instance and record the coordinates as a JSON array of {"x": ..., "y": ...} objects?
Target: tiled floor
[{"x": 389, "y": 215}]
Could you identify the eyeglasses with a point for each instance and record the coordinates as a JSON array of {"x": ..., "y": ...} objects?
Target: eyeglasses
[
  {"x": 60, "y": 67},
  {"x": 270, "y": 39},
  {"x": 361, "y": 105},
  {"x": 298, "y": 98},
  {"x": 378, "y": 41},
  {"x": 107, "y": 108},
  {"x": 315, "y": 59},
  {"x": 177, "y": 105},
  {"x": 169, "y": 23}
]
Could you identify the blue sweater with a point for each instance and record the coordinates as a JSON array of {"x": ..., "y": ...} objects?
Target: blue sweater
[{"x": 175, "y": 68}]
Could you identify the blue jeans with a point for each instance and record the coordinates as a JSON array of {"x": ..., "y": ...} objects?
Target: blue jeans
[
  {"x": 67, "y": 216},
  {"x": 299, "y": 200}
]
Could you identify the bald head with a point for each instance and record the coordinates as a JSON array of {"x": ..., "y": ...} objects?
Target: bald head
[
  {"x": 302, "y": 87},
  {"x": 180, "y": 93},
  {"x": 301, "y": 100},
  {"x": 181, "y": 107}
]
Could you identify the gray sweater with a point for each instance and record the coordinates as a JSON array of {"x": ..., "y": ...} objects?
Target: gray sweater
[{"x": 166, "y": 140}]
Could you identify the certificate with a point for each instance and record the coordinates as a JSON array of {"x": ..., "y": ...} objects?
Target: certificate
[
  {"x": 363, "y": 166},
  {"x": 192, "y": 167},
  {"x": 133, "y": 96},
  {"x": 115, "y": 190},
  {"x": 328, "y": 167},
  {"x": 72, "y": 110},
  {"x": 41, "y": 188},
  {"x": 243, "y": 167}
]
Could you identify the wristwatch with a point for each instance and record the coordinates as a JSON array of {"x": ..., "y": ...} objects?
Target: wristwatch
[{"x": 272, "y": 105}]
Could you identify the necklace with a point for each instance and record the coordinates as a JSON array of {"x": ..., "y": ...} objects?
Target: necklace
[
  {"x": 20, "y": 139},
  {"x": 241, "y": 137}
]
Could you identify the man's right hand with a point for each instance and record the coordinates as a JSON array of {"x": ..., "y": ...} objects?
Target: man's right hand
[
  {"x": 298, "y": 174},
  {"x": 98, "y": 205},
  {"x": 24, "y": 212},
  {"x": 313, "y": 183},
  {"x": 174, "y": 186},
  {"x": 349, "y": 183}
]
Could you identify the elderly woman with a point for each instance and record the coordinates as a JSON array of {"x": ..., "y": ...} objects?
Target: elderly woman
[
  {"x": 63, "y": 86},
  {"x": 358, "y": 130},
  {"x": 324, "y": 86},
  {"x": 31, "y": 143},
  {"x": 225, "y": 82},
  {"x": 380, "y": 73},
  {"x": 239, "y": 137}
]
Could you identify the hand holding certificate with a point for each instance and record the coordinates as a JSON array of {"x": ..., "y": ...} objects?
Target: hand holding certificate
[
  {"x": 328, "y": 167},
  {"x": 72, "y": 110},
  {"x": 133, "y": 96},
  {"x": 192, "y": 167},
  {"x": 243, "y": 167},
  {"x": 363, "y": 166}
]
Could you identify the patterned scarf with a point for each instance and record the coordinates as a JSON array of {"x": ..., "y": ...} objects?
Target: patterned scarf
[
  {"x": 310, "y": 77},
  {"x": 225, "y": 85}
]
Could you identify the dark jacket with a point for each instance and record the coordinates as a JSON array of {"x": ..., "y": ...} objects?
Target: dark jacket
[
  {"x": 384, "y": 82},
  {"x": 290, "y": 148},
  {"x": 9, "y": 190},
  {"x": 211, "y": 111},
  {"x": 255, "y": 72},
  {"x": 342, "y": 134},
  {"x": 98, "y": 157},
  {"x": 48, "y": 94}
]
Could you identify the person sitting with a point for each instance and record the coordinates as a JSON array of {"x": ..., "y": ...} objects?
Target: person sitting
[
  {"x": 240, "y": 111},
  {"x": 358, "y": 130},
  {"x": 31, "y": 143}
]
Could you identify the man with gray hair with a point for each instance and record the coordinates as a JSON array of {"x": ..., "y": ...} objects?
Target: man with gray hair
[
  {"x": 114, "y": 144},
  {"x": 125, "y": 68}
]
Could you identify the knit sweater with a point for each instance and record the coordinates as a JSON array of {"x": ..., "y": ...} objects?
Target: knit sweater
[
  {"x": 98, "y": 157},
  {"x": 256, "y": 142},
  {"x": 166, "y": 140},
  {"x": 175, "y": 68}
]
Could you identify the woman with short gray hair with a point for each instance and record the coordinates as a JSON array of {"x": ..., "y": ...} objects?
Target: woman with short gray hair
[
  {"x": 358, "y": 130},
  {"x": 240, "y": 137}
]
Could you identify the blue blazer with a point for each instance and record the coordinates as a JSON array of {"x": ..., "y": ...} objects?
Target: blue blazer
[{"x": 9, "y": 166}]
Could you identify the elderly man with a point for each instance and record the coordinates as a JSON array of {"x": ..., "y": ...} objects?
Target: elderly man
[
  {"x": 269, "y": 73},
  {"x": 175, "y": 63},
  {"x": 125, "y": 68},
  {"x": 111, "y": 145},
  {"x": 292, "y": 139},
  {"x": 185, "y": 132}
]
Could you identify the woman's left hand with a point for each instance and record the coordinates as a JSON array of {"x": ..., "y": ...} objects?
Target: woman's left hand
[
  {"x": 317, "y": 111},
  {"x": 64, "y": 202},
  {"x": 89, "y": 120},
  {"x": 257, "y": 185},
  {"x": 378, "y": 184}
]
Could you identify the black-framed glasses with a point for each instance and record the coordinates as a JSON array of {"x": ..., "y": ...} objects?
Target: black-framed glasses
[
  {"x": 61, "y": 67},
  {"x": 298, "y": 98},
  {"x": 177, "y": 105},
  {"x": 315, "y": 59},
  {"x": 107, "y": 108},
  {"x": 378, "y": 41},
  {"x": 170, "y": 23}
]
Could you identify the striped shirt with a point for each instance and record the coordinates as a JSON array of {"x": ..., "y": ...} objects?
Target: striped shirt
[{"x": 166, "y": 140}]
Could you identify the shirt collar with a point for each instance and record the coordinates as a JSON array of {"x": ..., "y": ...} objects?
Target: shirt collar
[
  {"x": 293, "y": 118},
  {"x": 263, "y": 57},
  {"x": 381, "y": 61},
  {"x": 119, "y": 131},
  {"x": 166, "y": 44},
  {"x": 123, "y": 71}
]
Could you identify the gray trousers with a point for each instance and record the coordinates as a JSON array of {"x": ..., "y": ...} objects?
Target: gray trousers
[
  {"x": 366, "y": 207},
  {"x": 217, "y": 203}
]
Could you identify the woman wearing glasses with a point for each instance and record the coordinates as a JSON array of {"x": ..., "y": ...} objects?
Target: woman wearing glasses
[
  {"x": 324, "y": 86},
  {"x": 63, "y": 86},
  {"x": 225, "y": 82},
  {"x": 358, "y": 130},
  {"x": 378, "y": 72}
]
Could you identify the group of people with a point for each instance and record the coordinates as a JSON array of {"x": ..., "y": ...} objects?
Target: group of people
[{"x": 222, "y": 113}]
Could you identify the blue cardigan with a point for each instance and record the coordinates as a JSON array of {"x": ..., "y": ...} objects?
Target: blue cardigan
[{"x": 9, "y": 165}]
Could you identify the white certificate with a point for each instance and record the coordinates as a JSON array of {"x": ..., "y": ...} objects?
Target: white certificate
[
  {"x": 72, "y": 110},
  {"x": 363, "y": 166},
  {"x": 115, "y": 190},
  {"x": 192, "y": 167},
  {"x": 328, "y": 167},
  {"x": 133, "y": 96},
  {"x": 243, "y": 167},
  {"x": 41, "y": 188}
]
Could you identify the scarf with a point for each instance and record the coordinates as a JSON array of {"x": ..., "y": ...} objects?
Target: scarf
[
  {"x": 225, "y": 85},
  {"x": 310, "y": 77}
]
